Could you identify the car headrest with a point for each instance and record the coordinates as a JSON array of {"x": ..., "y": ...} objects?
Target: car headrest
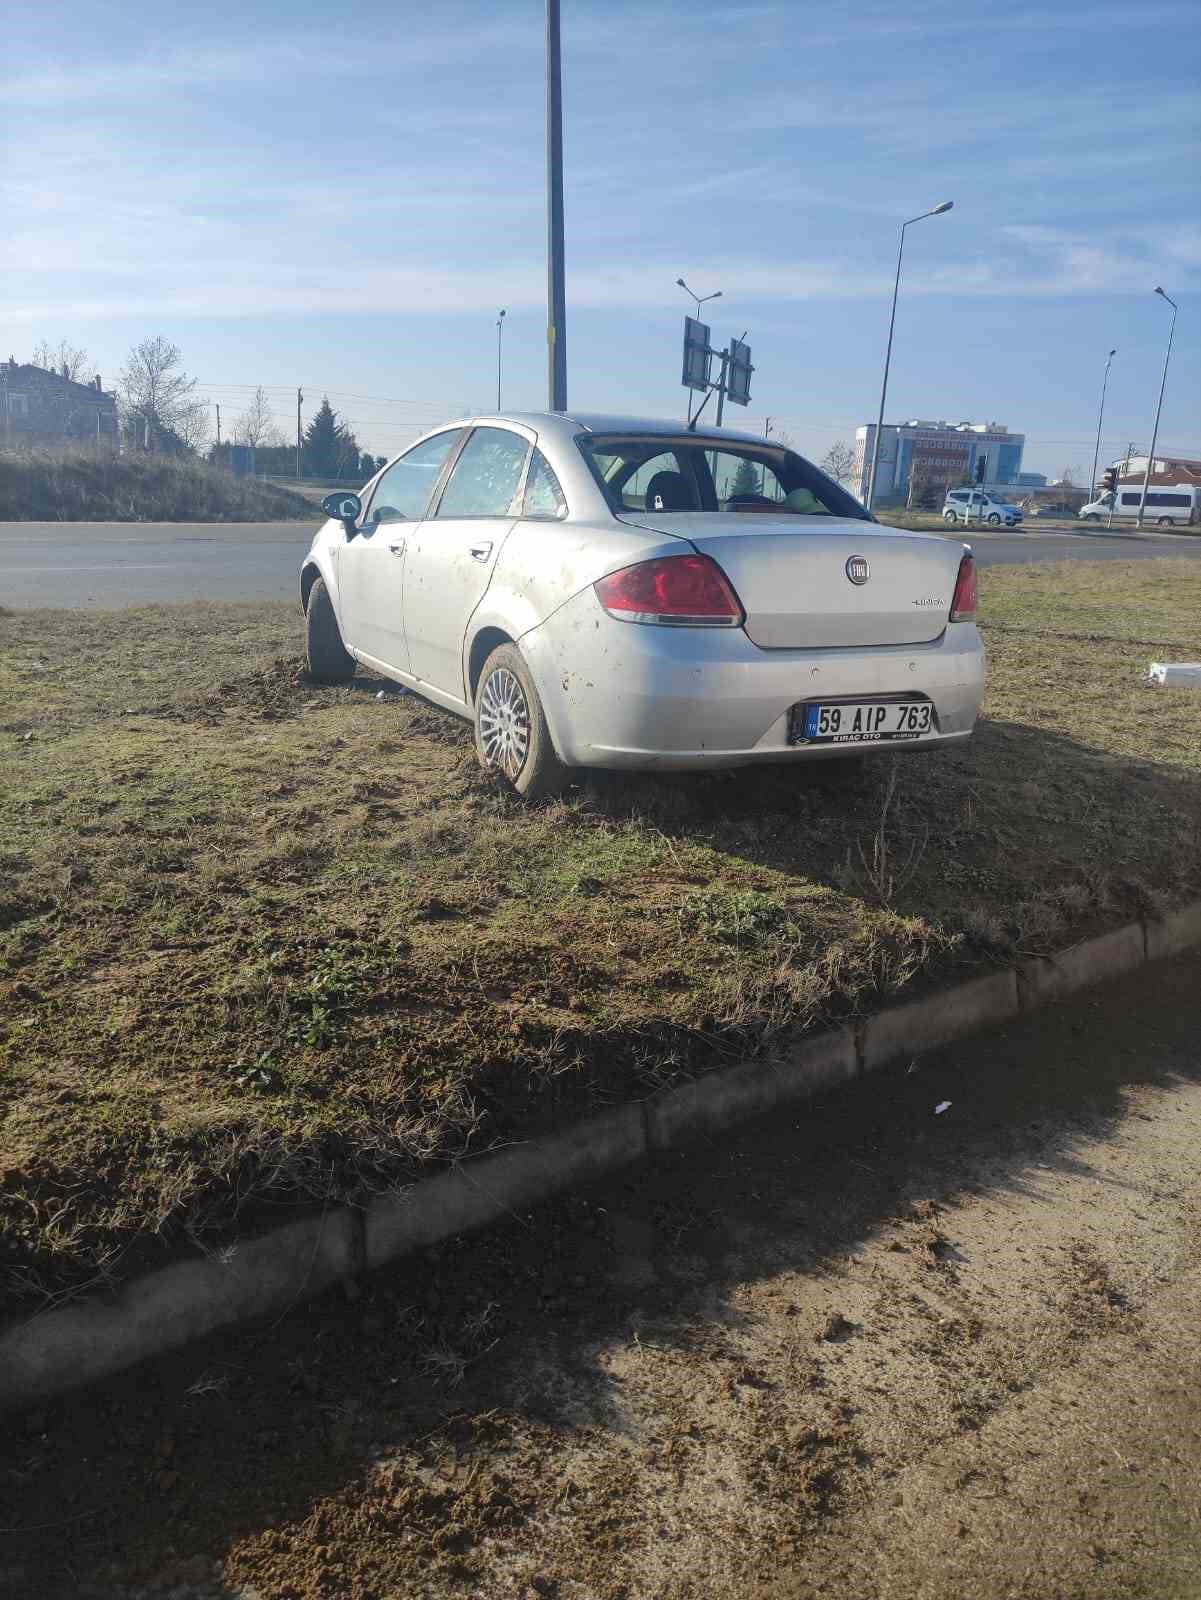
[{"x": 669, "y": 491}]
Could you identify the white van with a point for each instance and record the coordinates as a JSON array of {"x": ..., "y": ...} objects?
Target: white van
[
  {"x": 980, "y": 506},
  {"x": 1179, "y": 503}
]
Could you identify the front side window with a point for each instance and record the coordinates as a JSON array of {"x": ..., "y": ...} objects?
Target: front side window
[
  {"x": 650, "y": 474},
  {"x": 403, "y": 493},
  {"x": 543, "y": 496},
  {"x": 485, "y": 478}
]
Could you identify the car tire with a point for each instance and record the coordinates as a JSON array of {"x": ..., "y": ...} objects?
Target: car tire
[
  {"x": 1163, "y": 522},
  {"x": 994, "y": 519},
  {"x": 950, "y": 516},
  {"x": 1091, "y": 517},
  {"x": 512, "y": 739},
  {"x": 326, "y": 657}
]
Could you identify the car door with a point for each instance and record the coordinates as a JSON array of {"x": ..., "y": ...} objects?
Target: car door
[
  {"x": 451, "y": 555},
  {"x": 371, "y": 565}
]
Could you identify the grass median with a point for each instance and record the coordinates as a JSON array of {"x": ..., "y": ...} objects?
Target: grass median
[{"x": 265, "y": 944}]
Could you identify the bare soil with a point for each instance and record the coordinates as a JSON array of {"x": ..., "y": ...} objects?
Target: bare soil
[
  {"x": 267, "y": 944},
  {"x": 875, "y": 1350}
]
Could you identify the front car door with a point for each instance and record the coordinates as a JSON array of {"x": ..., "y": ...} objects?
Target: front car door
[
  {"x": 371, "y": 565},
  {"x": 450, "y": 557}
]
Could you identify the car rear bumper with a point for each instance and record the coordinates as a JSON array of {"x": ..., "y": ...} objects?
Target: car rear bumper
[{"x": 622, "y": 695}]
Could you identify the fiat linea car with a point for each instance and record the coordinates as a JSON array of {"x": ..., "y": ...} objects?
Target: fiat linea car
[{"x": 598, "y": 591}]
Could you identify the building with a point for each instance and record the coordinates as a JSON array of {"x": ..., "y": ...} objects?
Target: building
[
  {"x": 1167, "y": 471},
  {"x": 41, "y": 407},
  {"x": 938, "y": 455}
]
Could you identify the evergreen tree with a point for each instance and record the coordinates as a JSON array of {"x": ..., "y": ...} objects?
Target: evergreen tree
[
  {"x": 330, "y": 449},
  {"x": 745, "y": 482}
]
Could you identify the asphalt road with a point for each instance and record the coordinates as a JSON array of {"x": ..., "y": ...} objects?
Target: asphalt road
[{"x": 117, "y": 563}]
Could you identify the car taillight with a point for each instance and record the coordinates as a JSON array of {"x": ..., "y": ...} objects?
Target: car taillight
[
  {"x": 963, "y": 606},
  {"x": 681, "y": 591}
]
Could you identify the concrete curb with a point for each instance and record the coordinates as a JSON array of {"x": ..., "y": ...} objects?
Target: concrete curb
[{"x": 64, "y": 1348}]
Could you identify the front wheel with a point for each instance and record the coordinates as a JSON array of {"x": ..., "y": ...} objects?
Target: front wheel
[
  {"x": 1163, "y": 522},
  {"x": 949, "y": 516},
  {"x": 327, "y": 658},
  {"x": 1091, "y": 517},
  {"x": 994, "y": 518},
  {"x": 511, "y": 735}
]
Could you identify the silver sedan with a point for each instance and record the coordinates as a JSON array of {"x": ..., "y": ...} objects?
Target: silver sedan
[{"x": 608, "y": 592}]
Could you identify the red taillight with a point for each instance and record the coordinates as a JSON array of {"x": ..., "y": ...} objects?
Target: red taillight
[
  {"x": 963, "y": 606},
  {"x": 677, "y": 590}
]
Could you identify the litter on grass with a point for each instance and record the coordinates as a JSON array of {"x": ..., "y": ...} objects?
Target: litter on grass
[
  {"x": 943, "y": 1105},
  {"x": 1175, "y": 674}
]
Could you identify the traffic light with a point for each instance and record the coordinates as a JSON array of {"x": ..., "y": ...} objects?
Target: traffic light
[
  {"x": 1110, "y": 481},
  {"x": 981, "y": 465}
]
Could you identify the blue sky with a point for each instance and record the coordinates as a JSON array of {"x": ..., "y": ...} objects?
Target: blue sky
[{"x": 342, "y": 197}]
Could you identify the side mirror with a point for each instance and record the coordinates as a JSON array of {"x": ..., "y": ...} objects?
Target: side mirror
[{"x": 347, "y": 508}]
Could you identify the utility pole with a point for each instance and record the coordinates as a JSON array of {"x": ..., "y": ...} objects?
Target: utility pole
[
  {"x": 1092, "y": 486},
  {"x": 299, "y": 398},
  {"x": 556, "y": 287},
  {"x": 218, "y": 425},
  {"x": 500, "y": 324},
  {"x": 1142, "y": 504}
]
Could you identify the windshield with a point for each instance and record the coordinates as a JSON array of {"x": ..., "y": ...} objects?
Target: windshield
[{"x": 650, "y": 473}]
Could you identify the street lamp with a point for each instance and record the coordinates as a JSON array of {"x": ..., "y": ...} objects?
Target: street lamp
[
  {"x": 1092, "y": 485},
  {"x": 1155, "y": 431},
  {"x": 699, "y": 298},
  {"x": 937, "y": 212},
  {"x": 500, "y": 324}
]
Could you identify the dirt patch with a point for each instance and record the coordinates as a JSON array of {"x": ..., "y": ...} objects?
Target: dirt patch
[
  {"x": 267, "y": 944},
  {"x": 735, "y": 1374}
]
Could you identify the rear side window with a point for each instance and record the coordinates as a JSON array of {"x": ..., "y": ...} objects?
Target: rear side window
[
  {"x": 485, "y": 478},
  {"x": 543, "y": 496},
  {"x": 403, "y": 492}
]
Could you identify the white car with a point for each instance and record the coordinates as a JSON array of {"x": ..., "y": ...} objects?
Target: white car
[
  {"x": 976, "y": 505},
  {"x": 604, "y": 592}
]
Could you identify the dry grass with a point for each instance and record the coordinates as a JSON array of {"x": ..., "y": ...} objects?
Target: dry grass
[{"x": 264, "y": 943}]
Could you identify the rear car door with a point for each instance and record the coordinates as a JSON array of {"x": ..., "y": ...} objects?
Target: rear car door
[
  {"x": 371, "y": 565},
  {"x": 451, "y": 555}
]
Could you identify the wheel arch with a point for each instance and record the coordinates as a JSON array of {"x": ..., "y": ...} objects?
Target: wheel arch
[{"x": 487, "y": 640}]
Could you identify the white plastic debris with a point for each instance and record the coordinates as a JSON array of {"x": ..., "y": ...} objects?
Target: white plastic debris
[
  {"x": 1175, "y": 674},
  {"x": 943, "y": 1105}
]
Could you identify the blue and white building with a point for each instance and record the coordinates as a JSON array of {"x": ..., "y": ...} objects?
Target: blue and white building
[{"x": 940, "y": 452}]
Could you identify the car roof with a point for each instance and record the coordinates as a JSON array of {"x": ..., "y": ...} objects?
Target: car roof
[{"x": 565, "y": 425}]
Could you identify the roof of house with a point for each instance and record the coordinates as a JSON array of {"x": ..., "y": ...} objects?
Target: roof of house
[{"x": 17, "y": 369}]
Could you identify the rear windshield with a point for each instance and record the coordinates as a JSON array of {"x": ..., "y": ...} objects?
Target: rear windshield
[{"x": 649, "y": 473}]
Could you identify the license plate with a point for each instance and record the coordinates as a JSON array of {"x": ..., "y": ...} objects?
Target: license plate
[{"x": 864, "y": 722}]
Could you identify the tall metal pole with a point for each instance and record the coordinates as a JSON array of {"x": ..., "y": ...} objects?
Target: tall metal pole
[
  {"x": 1092, "y": 487},
  {"x": 299, "y": 398},
  {"x": 500, "y": 323},
  {"x": 218, "y": 425},
  {"x": 892, "y": 322},
  {"x": 556, "y": 289},
  {"x": 1155, "y": 431}
]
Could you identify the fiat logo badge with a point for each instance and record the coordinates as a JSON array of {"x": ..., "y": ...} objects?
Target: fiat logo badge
[{"x": 857, "y": 569}]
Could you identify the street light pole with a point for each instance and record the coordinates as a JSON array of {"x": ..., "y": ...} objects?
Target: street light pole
[
  {"x": 936, "y": 212},
  {"x": 699, "y": 298},
  {"x": 500, "y": 323},
  {"x": 1155, "y": 431},
  {"x": 556, "y": 285},
  {"x": 1092, "y": 487}
]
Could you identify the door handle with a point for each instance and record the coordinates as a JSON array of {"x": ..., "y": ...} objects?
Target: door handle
[
  {"x": 397, "y": 549},
  {"x": 481, "y": 552}
]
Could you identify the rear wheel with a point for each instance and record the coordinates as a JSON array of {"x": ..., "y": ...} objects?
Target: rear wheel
[
  {"x": 511, "y": 735},
  {"x": 327, "y": 657},
  {"x": 1163, "y": 522}
]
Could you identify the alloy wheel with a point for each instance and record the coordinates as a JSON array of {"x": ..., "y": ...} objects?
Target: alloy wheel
[{"x": 504, "y": 722}]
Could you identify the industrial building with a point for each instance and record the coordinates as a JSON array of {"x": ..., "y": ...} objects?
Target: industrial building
[{"x": 939, "y": 455}]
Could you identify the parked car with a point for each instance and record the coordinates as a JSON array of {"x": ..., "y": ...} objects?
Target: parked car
[
  {"x": 601, "y": 592},
  {"x": 977, "y": 505}
]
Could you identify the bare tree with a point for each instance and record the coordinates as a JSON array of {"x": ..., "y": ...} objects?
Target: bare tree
[
  {"x": 155, "y": 390},
  {"x": 256, "y": 425},
  {"x": 69, "y": 360},
  {"x": 839, "y": 462}
]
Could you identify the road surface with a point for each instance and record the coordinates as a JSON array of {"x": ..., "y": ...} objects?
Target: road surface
[
  {"x": 121, "y": 563},
  {"x": 930, "y": 1337}
]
